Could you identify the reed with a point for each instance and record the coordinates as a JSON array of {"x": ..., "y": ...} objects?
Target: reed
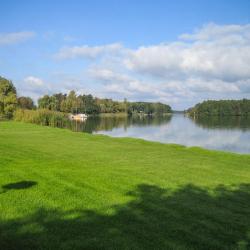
[{"x": 43, "y": 117}]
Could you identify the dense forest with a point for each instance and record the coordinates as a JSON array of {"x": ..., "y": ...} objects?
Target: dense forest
[
  {"x": 221, "y": 108},
  {"x": 72, "y": 103},
  {"x": 88, "y": 104}
]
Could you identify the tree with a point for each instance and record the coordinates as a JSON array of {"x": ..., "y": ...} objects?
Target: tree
[
  {"x": 44, "y": 102},
  {"x": 89, "y": 104},
  {"x": 60, "y": 98},
  {"x": 221, "y": 108},
  {"x": 8, "y": 99},
  {"x": 25, "y": 103},
  {"x": 71, "y": 102}
]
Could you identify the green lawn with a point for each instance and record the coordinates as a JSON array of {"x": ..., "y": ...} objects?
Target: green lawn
[{"x": 66, "y": 190}]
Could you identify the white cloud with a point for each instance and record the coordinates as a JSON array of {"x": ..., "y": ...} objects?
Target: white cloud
[
  {"x": 213, "y": 62},
  {"x": 213, "y": 86},
  {"x": 17, "y": 37},
  {"x": 36, "y": 87},
  {"x": 127, "y": 86},
  {"x": 89, "y": 52},
  {"x": 108, "y": 75},
  {"x": 34, "y": 81},
  {"x": 215, "y": 52},
  {"x": 212, "y": 31},
  {"x": 210, "y": 63}
]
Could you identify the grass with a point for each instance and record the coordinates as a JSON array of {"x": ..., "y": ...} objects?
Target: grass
[{"x": 66, "y": 190}]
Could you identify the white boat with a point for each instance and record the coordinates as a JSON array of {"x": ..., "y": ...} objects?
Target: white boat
[{"x": 78, "y": 117}]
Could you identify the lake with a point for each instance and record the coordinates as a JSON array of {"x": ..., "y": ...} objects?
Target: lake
[{"x": 227, "y": 133}]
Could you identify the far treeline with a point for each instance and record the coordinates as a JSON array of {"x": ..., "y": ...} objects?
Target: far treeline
[
  {"x": 72, "y": 103},
  {"x": 221, "y": 108}
]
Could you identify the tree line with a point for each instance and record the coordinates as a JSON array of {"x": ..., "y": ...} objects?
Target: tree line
[
  {"x": 72, "y": 103},
  {"x": 221, "y": 108},
  {"x": 69, "y": 103}
]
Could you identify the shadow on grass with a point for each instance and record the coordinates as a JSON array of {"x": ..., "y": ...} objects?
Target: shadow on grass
[
  {"x": 18, "y": 185},
  {"x": 189, "y": 218}
]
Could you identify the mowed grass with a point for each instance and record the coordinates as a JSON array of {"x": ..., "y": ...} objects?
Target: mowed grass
[{"x": 66, "y": 190}]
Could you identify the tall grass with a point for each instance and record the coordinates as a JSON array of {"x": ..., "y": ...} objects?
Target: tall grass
[{"x": 42, "y": 117}]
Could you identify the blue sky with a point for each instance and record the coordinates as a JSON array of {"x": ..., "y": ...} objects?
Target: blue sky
[{"x": 132, "y": 49}]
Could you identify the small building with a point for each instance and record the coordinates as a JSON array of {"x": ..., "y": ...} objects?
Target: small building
[{"x": 78, "y": 117}]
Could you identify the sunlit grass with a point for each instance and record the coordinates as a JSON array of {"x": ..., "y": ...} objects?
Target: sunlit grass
[{"x": 66, "y": 190}]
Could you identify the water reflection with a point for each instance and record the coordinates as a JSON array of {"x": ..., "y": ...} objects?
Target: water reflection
[
  {"x": 223, "y": 122},
  {"x": 228, "y": 134},
  {"x": 97, "y": 123}
]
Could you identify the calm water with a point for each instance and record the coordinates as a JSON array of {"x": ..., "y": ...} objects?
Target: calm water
[{"x": 228, "y": 134}]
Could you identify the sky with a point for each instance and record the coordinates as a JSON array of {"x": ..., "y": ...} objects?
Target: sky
[{"x": 176, "y": 52}]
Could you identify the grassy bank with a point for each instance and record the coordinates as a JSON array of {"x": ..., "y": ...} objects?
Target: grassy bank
[{"x": 66, "y": 190}]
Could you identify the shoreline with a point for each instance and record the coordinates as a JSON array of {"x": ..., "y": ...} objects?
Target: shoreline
[{"x": 132, "y": 138}]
